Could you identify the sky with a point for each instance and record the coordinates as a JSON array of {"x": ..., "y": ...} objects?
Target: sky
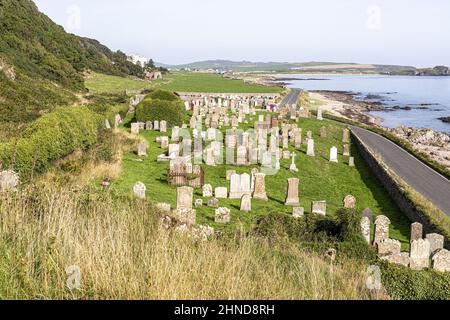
[{"x": 401, "y": 32}]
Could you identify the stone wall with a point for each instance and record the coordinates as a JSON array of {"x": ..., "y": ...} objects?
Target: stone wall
[{"x": 395, "y": 190}]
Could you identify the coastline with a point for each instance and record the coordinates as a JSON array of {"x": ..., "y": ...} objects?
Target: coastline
[{"x": 434, "y": 144}]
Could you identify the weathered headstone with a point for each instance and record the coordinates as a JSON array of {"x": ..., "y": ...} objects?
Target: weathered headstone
[
  {"x": 185, "y": 197},
  {"x": 164, "y": 207},
  {"x": 310, "y": 148},
  {"x": 441, "y": 260},
  {"x": 419, "y": 254},
  {"x": 292, "y": 198},
  {"x": 351, "y": 161},
  {"x": 198, "y": 203},
  {"x": 349, "y": 202},
  {"x": 323, "y": 132},
  {"x": 135, "y": 127},
  {"x": 260, "y": 187},
  {"x": 156, "y": 125},
  {"x": 346, "y": 151},
  {"x": 163, "y": 126},
  {"x": 139, "y": 190},
  {"x": 416, "y": 231},
  {"x": 223, "y": 215},
  {"x": 388, "y": 247},
  {"x": 365, "y": 228},
  {"x": 319, "y": 207},
  {"x": 298, "y": 212},
  {"x": 346, "y": 136},
  {"x": 164, "y": 142},
  {"x": 207, "y": 191},
  {"x": 142, "y": 149},
  {"x": 436, "y": 242},
  {"x": 246, "y": 203},
  {"x": 213, "y": 202},
  {"x": 381, "y": 228}
]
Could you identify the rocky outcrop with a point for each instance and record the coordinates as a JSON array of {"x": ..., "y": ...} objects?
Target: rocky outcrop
[{"x": 434, "y": 144}]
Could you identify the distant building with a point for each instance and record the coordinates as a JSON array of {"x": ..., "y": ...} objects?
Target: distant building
[{"x": 137, "y": 59}]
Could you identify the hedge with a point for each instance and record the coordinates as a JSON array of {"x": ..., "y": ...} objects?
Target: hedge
[
  {"x": 163, "y": 95},
  {"x": 50, "y": 138},
  {"x": 154, "y": 109}
]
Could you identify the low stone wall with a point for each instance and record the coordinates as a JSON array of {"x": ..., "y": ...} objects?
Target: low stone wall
[{"x": 395, "y": 191}]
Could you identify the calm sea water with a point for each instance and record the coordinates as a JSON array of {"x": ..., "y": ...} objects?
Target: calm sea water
[{"x": 428, "y": 97}]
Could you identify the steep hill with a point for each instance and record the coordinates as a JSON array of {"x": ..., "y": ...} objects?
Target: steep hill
[{"x": 41, "y": 65}]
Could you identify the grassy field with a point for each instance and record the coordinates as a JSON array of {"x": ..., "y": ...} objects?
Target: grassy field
[
  {"x": 319, "y": 180},
  {"x": 181, "y": 81}
]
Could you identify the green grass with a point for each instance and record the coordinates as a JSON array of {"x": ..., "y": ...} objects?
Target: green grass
[
  {"x": 319, "y": 180},
  {"x": 181, "y": 81}
]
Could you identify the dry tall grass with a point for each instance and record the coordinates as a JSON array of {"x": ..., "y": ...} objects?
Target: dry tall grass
[{"x": 124, "y": 254}]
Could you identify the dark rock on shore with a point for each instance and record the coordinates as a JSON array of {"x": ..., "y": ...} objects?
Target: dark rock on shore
[{"x": 445, "y": 119}]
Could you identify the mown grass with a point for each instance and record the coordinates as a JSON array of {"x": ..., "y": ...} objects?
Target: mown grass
[
  {"x": 319, "y": 180},
  {"x": 180, "y": 81}
]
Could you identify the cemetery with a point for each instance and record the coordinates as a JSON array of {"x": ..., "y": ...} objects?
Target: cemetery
[{"x": 226, "y": 152}]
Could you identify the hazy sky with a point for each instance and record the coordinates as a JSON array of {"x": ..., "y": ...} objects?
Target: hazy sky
[{"x": 408, "y": 32}]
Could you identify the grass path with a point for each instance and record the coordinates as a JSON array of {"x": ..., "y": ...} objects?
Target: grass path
[{"x": 319, "y": 180}]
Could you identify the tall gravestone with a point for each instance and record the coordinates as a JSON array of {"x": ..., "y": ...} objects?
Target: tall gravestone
[
  {"x": 292, "y": 198},
  {"x": 381, "y": 228}
]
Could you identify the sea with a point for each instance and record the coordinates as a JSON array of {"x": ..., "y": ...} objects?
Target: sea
[{"x": 411, "y": 101}]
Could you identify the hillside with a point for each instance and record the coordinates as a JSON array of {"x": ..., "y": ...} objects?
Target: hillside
[
  {"x": 313, "y": 66},
  {"x": 41, "y": 65}
]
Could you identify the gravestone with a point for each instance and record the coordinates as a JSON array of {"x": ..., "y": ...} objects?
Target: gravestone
[
  {"x": 416, "y": 231},
  {"x": 333, "y": 154},
  {"x": 441, "y": 261},
  {"x": 298, "y": 212},
  {"x": 207, "y": 191},
  {"x": 388, "y": 247},
  {"x": 185, "y": 196},
  {"x": 367, "y": 212},
  {"x": 241, "y": 156},
  {"x": 221, "y": 193},
  {"x": 176, "y": 134},
  {"x": 346, "y": 136},
  {"x": 323, "y": 132},
  {"x": 365, "y": 228},
  {"x": 142, "y": 149},
  {"x": 117, "y": 121},
  {"x": 149, "y": 125},
  {"x": 164, "y": 142},
  {"x": 9, "y": 181},
  {"x": 310, "y": 148},
  {"x": 319, "y": 207},
  {"x": 246, "y": 203},
  {"x": 139, "y": 190},
  {"x": 419, "y": 254},
  {"x": 260, "y": 187},
  {"x": 213, "y": 202},
  {"x": 319, "y": 114},
  {"x": 381, "y": 228},
  {"x": 135, "y": 127},
  {"x": 187, "y": 216},
  {"x": 436, "y": 242},
  {"x": 163, "y": 126},
  {"x": 346, "y": 151},
  {"x": 164, "y": 207},
  {"x": 351, "y": 161},
  {"x": 156, "y": 125},
  {"x": 198, "y": 203},
  {"x": 107, "y": 124},
  {"x": 293, "y": 167},
  {"x": 222, "y": 215},
  {"x": 349, "y": 202},
  {"x": 292, "y": 198}
]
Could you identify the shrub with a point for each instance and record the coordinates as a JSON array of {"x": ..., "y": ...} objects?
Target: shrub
[
  {"x": 406, "y": 284},
  {"x": 154, "y": 109},
  {"x": 163, "y": 95},
  {"x": 50, "y": 138}
]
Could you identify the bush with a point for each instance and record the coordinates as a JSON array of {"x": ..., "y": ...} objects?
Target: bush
[
  {"x": 50, "y": 138},
  {"x": 163, "y": 95},
  {"x": 154, "y": 109},
  {"x": 406, "y": 284}
]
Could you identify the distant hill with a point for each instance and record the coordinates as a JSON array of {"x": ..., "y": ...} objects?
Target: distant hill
[
  {"x": 313, "y": 66},
  {"x": 41, "y": 66}
]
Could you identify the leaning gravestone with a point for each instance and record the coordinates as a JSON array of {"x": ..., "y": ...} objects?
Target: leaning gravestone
[{"x": 139, "y": 190}]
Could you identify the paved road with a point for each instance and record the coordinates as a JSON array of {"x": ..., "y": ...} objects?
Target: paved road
[
  {"x": 291, "y": 98},
  {"x": 432, "y": 185}
]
